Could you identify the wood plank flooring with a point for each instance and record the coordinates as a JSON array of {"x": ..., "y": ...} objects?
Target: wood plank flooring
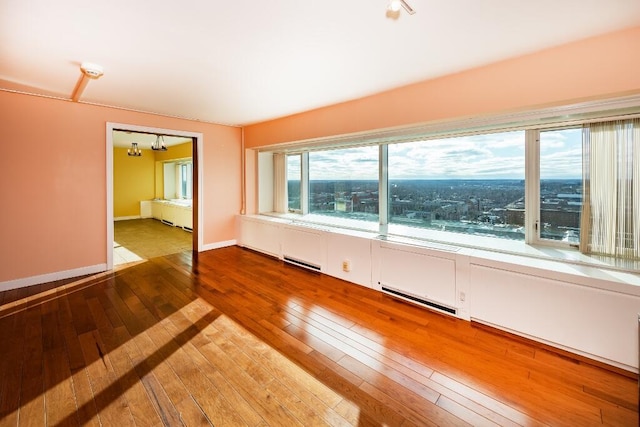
[
  {"x": 232, "y": 337},
  {"x": 147, "y": 238}
]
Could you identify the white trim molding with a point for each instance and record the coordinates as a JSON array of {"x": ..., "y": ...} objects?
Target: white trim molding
[
  {"x": 50, "y": 277},
  {"x": 218, "y": 245},
  {"x": 109, "y": 152},
  {"x": 125, "y": 218}
]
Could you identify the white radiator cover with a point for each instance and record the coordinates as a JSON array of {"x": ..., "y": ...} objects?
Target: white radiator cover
[
  {"x": 260, "y": 236},
  {"x": 418, "y": 272},
  {"x": 585, "y": 310},
  {"x": 305, "y": 245},
  {"x": 595, "y": 321}
]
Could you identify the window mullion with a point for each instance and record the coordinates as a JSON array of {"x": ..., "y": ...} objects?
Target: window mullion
[
  {"x": 383, "y": 187},
  {"x": 304, "y": 183},
  {"x": 532, "y": 186}
]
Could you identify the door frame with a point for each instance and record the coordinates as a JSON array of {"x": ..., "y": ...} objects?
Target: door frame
[{"x": 197, "y": 182}]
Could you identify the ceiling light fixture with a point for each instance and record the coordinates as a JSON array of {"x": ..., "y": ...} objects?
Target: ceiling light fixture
[
  {"x": 159, "y": 146},
  {"x": 89, "y": 71},
  {"x": 393, "y": 8},
  {"x": 134, "y": 150}
]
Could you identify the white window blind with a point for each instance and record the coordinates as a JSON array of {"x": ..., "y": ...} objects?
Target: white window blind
[
  {"x": 280, "y": 197},
  {"x": 611, "y": 173}
]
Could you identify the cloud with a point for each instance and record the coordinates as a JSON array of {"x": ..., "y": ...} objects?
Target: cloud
[
  {"x": 490, "y": 156},
  {"x": 496, "y": 156},
  {"x": 344, "y": 164}
]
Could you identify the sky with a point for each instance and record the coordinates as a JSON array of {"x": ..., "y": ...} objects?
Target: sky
[{"x": 492, "y": 156}]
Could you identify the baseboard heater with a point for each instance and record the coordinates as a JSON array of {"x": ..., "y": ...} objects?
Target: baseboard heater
[
  {"x": 302, "y": 264},
  {"x": 164, "y": 221},
  {"x": 418, "y": 300}
]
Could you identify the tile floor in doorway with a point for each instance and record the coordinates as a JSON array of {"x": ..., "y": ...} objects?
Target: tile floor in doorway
[{"x": 140, "y": 239}]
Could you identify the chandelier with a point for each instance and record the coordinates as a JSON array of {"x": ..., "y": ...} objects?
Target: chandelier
[
  {"x": 159, "y": 145},
  {"x": 134, "y": 150}
]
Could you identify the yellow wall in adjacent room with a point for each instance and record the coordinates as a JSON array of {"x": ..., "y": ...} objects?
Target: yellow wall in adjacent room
[
  {"x": 181, "y": 151},
  {"x": 133, "y": 181}
]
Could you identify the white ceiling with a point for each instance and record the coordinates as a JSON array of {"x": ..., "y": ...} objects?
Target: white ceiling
[{"x": 245, "y": 61}]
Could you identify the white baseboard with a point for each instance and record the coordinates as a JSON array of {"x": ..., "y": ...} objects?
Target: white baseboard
[
  {"x": 50, "y": 277},
  {"x": 218, "y": 245},
  {"x": 124, "y": 218}
]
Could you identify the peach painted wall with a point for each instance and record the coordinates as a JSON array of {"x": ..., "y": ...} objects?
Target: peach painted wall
[
  {"x": 53, "y": 182},
  {"x": 595, "y": 68}
]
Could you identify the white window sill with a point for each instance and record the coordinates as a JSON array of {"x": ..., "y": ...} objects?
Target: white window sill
[{"x": 486, "y": 247}]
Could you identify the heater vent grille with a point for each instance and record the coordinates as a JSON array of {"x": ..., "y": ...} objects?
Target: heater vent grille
[
  {"x": 302, "y": 264},
  {"x": 418, "y": 300}
]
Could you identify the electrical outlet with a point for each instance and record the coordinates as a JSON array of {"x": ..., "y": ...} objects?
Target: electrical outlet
[{"x": 346, "y": 266}]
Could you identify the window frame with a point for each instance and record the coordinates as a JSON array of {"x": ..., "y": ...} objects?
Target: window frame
[
  {"x": 532, "y": 122},
  {"x": 536, "y": 236}
]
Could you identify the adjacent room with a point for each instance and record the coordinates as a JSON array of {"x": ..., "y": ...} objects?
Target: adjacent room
[
  {"x": 152, "y": 195},
  {"x": 363, "y": 213}
]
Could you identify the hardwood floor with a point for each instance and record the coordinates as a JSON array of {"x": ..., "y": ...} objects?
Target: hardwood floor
[
  {"x": 139, "y": 239},
  {"x": 232, "y": 337}
]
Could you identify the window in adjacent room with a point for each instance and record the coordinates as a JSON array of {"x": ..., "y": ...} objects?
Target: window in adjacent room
[{"x": 186, "y": 180}]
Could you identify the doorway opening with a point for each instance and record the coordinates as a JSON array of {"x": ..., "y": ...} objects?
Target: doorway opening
[{"x": 153, "y": 194}]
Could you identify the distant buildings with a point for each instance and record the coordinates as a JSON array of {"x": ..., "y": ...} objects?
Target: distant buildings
[{"x": 494, "y": 207}]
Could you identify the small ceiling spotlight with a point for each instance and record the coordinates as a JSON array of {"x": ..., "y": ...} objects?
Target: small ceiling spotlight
[{"x": 393, "y": 8}]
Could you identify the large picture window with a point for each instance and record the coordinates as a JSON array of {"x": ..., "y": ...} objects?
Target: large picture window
[
  {"x": 571, "y": 186},
  {"x": 471, "y": 184},
  {"x": 344, "y": 183}
]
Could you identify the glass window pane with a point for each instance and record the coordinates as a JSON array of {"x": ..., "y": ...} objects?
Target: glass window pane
[
  {"x": 344, "y": 183},
  {"x": 183, "y": 179},
  {"x": 293, "y": 181},
  {"x": 561, "y": 184},
  {"x": 471, "y": 185}
]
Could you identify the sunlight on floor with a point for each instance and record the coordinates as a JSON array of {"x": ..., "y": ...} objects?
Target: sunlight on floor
[
  {"x": 122, "y": 255},
  {"x": 141, "y": 239},
  {"x": 199, "y": 348}
]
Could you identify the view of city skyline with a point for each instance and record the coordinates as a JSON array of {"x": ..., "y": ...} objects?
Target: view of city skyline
[
  {"x": 487, "y": 207},
  {"x": 471, "y": 184}
]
